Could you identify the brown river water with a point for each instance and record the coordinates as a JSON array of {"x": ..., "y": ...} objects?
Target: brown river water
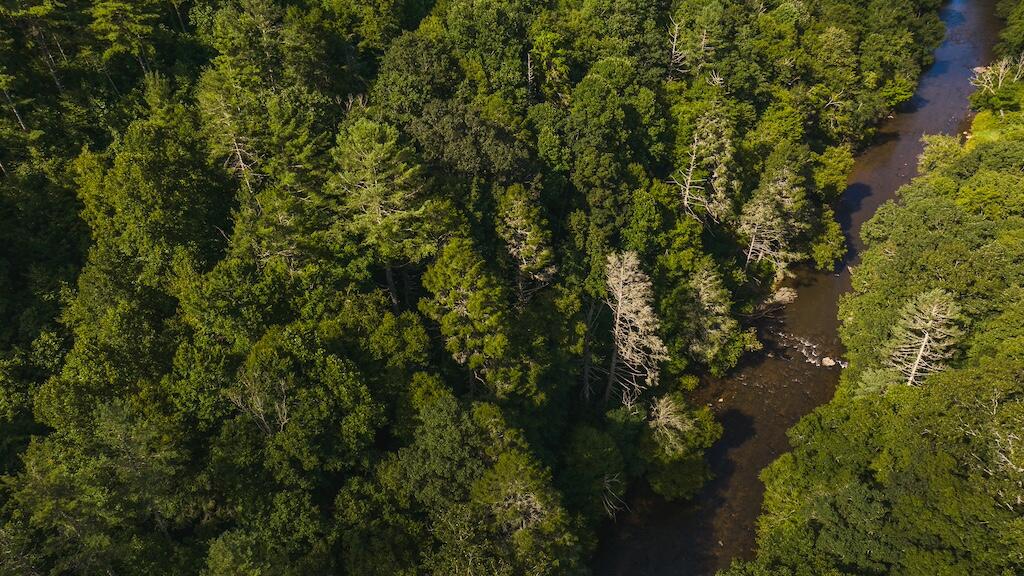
[{"x": 773, "y": 389}]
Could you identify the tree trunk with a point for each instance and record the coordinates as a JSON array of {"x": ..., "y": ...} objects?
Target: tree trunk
[
  {"x": 142, "y": 63},
  {"x": 587, "y": 353},
  {"x": 111, "y": 80},
  {"x": 177, "y": 12},
  {"x": 15, "y": 110},
  {"x": 917, "y": 361},
  {"x": 689, "y": 173},
  {"x": 406, "y": 289},
  {"x": 48, "y": 58},
  {"x": 750, "y": 250},
  {"x": 63, "y": 56},
  {"x": 389, "y": 273},
  {"x": 612, "y": 367}
]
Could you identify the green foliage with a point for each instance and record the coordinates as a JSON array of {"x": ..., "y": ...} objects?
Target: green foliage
[
  {"x": 891, "y": 478},
  {"x": 673, "y": 445},
  {"x": 832, "y": 169},
  {"x": 320, "y": 286},
  {"x": 376, "y": 193},
  {"x": 829, "y": 248},
  {"x": 126, "y": 28}
]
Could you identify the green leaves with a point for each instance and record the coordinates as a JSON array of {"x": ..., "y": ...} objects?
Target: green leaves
[
  {"x": 912, "y": 468},
  {"x": 379, "y": 195},
  {"x": 126, "y": 28},
  {"x": 345, "y": 263}
]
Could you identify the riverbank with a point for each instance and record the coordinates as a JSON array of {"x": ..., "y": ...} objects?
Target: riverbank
[{"x": 772, "y": 390}]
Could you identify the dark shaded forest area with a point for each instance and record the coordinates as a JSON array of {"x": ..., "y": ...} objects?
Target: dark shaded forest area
[{"x": 413, "y": 287}]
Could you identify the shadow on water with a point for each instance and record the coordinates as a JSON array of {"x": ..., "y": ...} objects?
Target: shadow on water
[
  {"x": 954, "y": 18},
  {"x": 852, "y": 201},
  {"x": 917, "y": 102},
  {"x": 770, "y": 391}
]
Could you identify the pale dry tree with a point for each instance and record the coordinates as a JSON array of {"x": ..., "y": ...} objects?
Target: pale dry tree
[
  {"x": 836, "y": 109},
  {"x": 762, "y": 224},
  {"x": 714, "y": 324},
  {"x": 637, "y": 350},
  {"x": 670, "y": 423},
  {"x": 770, "y": 221},
  {"x": 926, "y": 336},
  {"x": 519, "y": 506},
  {"x": 992, "y": 77},
  {"x": 687, "y": 50},
  {"x": 1008, "y": 461},
  {"x": 224, "y": 120},
  {"x": 263, "y": 397},
  {"x": 1000, "y": 433},
  {"x": 676, "y": 56},
  {"x": 5, "y": 82},
  {"x": 611, "y": 490},
  {"x": 704, "y": 181}
]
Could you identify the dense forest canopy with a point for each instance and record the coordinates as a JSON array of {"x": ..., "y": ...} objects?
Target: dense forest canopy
[
  {"x": 917, "y": 465},
  {"x": 411, "y": 287}
]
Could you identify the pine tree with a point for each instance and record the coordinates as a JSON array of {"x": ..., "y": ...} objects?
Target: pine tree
[
  {"x": 637, "y": 350},
  {"x": 771, "y": 221},
  {"x": 469, "y": 303},
  {"x": 704, "y": 181},
  {"x": 926, "y": 336},
  {"x": 377, "y": 195},
  {"x": 716, "y": 329},
  {"x": 524, "y": 230},
  {"x": 126, "y": 28},
  {"x": 670, "y": 423}
]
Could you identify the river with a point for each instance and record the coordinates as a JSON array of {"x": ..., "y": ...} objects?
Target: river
[{"x": 773, "y": 389}]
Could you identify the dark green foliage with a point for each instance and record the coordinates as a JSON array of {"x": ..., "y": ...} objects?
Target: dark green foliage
[{"x": 320, "y": 286}]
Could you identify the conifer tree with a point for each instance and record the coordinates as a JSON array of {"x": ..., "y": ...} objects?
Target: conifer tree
[
  {"x": 926, "y": 336},
  {"x": 705, "y": 180},
  {"x": 637, "y": 350},
  {"x": 126, "y": 27},
  {"x": 521, "y": 225},
  {"x": 769, "y": 224},
  {"x": 378, "y": 196},
  {"x": 470, "y": 305}
]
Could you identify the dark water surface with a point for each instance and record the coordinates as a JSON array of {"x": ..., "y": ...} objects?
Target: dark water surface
[{"x": 772, "y": 390}]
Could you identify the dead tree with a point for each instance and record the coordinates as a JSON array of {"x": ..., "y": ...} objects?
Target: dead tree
[
  {"x": 704, "y": 183},
  {"x": 637, "y": 350},
  {"x": 519, "y": 506},
  {"x": 529, "y": 73},
  {"x": 45, "y": 54},
  {"x": 989, "y": 79},
  {"x": 14, "y": 109},
  {"x": 676, "y": 57},
  {"x": 688, "y": 53},
  {"x": 670, "y": 424},
  {"x": 611, "y": 495},
  {"x": 262, "y": 396},
  {"x": 926, "y": 336},
  {"x": 227, "y": 138},
  {"x": 711, "y": 313},
  {"x": 771, "y": 220}
]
